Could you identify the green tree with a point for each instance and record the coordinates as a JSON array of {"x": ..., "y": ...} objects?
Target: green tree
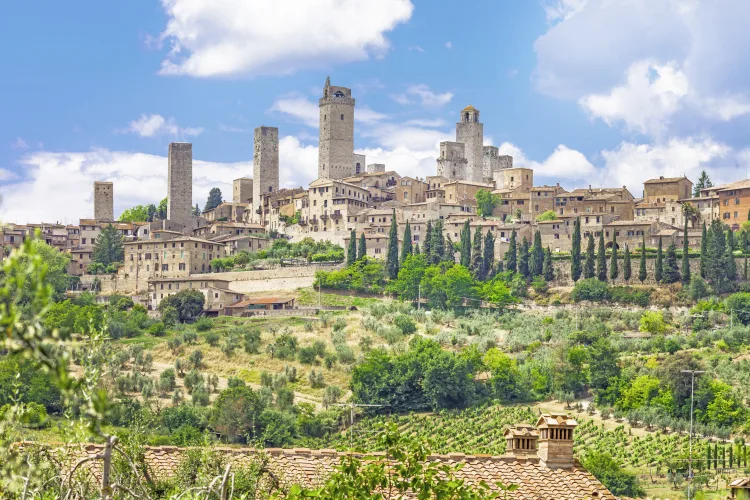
[
  {"x": 427, "y": 240},
  {"x": 659, "y": 268},
  {"x": 523, "y": 258},
  {"x": 236, "y": 413},
  {"x": 108, "y": 248},
  {"x": 214, "y": 199},
  {"x": 716, "y": 261},
  {"x": 614, "y": 271},
  {"x": 642, "y": 275},
  {"x": 486, "y": 202},
  {"x": 546, "y": 216},
  {"x": 685, "y": 255},
  {"x": 466, "y": 245},
  {"x": 188, "y": 304},
  {"x": 506, "y": 378},
  {"x": 391, "y": 260},
  {"x": 488, "y": 261},
  {"x": 704, "y": 181},
  {"x": 197, "y": 210},
  {"x": 601, "y": 259},
  {"x": 536, "y": 260},
  {"x": 609, "y": 472},
  {"x": 548, "y": 270},
  {"x": 161, "y": 209},
  {"x": 138, "y": 213},
  {"x": 410, "y": 276},
  {"x": 437, "y": 244},
  {"x": 511, "y": 255},
  {"x": 406, "y": 248},
  {"x": 476, "y": 254},
  {"x": 449, "y": 254},
  {"x": 351, "y": 251},
  {"x": 362, "y": 249},
  {"x": 575, "y": 251},
  {"x": 151, "y": 211},
  {"x": 730, "y": 265},
  {"x": 589, "y": 269},
  {"x": 704, "y": 252},
  {"x": 671, "y": 273},
  {"x": 626, "y": 265}
]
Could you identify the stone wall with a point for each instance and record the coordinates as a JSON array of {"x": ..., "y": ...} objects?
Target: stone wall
[
  {"x": 104, "y": 201},
  {"x": 180, "y": 183}
]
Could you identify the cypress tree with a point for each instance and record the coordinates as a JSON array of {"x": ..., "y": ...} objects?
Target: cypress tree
[
  {"x": 685, "y": 255},
  {"x": 351, "y": 252},
  {"x": 744, "y": 274},
  {"x": 626, "y": 266},
  {"x": 589, "y": 270},
  {"x": 716, "y": 256},
  {"x": 476, "y": 253},
  {"x": 548, "y": 271},
  {"x": 437, "y": 244},
  {"x": 391, "y": 260},
  {"x": 671, "y": 272},
  {"x": 536, "y": 260},
  {"x": 659, "y": 269},
  {"x": 642, "y": 275},
  {"x": 704, "y": 249},
  {"x": 489, "y": 255},
  {"x": 523, "y": 258},
  {"x": 406, "y": 247},
  {"x": 730, "y": 265},
  {"x": 511, "y": 256},
  {"x": 427, "y": 241},
  {"x": 362, "y": 250},
  {"x": 601, "y": 260},
  {"x": 466, "y": 245},
  {"x": 730, "y": 240},
  {"x": 614, "y": 270},
  {"x": 708, "y": 456},
  {"x": 575, "y": 251},
  {"x": 449, "y": 253},
  {"x": 416, "y": 249}
]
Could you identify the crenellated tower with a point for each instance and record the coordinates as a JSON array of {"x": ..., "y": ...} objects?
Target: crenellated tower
[{"x": 336, "y": 148}]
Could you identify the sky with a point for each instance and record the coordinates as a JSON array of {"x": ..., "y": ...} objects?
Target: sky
[{"x": 586, "y": 92}]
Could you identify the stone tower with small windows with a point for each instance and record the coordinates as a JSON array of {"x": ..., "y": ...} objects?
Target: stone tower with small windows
[
  {"x": 470, "y": 132},
  {"x": 180, "y": 183},
  {"x": 103, "y": 201},
  {"x": 265, "y": 162},
  {"x": 336, "y": 148},
  {"x": 452, "y": 163}
]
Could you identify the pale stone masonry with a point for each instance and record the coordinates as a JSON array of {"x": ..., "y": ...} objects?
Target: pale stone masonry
[
  {"x": 242, "y": 190},
  {"x": 265, "y": 163},
  {"x": 180, "y": 183},
  {"x": 452, "y": 163},
  {"x": 471, "y": 132},
  {"x": 336, "y": 148},
  {"x": 104, "y": 201}
]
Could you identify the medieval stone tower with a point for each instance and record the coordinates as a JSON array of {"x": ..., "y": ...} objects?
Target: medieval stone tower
[
  {"x": 103, "y": 201},
  {"x": 336, "y": 148},
  {"x": 265, "y": 162},
  {"x": 180, "y": 183},
  {"x": 242, "y": 190},
  {"x": 452, "y": 163},
  {"x": 470, "y": 132}
]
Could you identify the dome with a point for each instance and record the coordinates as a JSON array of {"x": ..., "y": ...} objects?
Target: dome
[{"x": 469, "y": 108}]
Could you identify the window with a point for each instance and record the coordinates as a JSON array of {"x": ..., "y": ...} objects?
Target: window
[
  {"x": 735, "y": 215},
  {"x": 181, "y": 266},
  {"x": 165, "y": 267},
  {"x": 557, "y": 236},
  {"x": 726, "y": 215},
  {"x": 377, "y": 250},
  {"x": 83, "y": 240},
  {"x": 736, "y": 201},
  {"x": 342, "y": 117}
]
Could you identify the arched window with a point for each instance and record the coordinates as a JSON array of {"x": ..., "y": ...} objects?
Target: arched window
[{"x": 406, "y": 195}]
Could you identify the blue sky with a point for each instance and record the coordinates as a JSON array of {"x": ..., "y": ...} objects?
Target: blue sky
[{"x": 602, "y": 92}]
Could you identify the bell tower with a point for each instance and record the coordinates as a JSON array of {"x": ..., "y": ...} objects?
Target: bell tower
[
  {"x": 470, "y": 132},
  {"x": 336, "y": 147}
]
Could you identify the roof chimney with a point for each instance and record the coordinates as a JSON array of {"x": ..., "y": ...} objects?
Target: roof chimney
[
  {"x": 556, "y": 440},
  {"x": 521, "y": 440}
]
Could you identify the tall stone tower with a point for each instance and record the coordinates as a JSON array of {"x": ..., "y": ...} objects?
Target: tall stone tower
[
  {"x": 242, "y": 190},
  {"x": 452, "y": 163},
  {"x": 103, "y": 201},
  {"x": 336, "y": 148},
  {"x": 265, "y": 162},
  {"x": 180, "y": 183},
  {"x": 470, "y": 132}
]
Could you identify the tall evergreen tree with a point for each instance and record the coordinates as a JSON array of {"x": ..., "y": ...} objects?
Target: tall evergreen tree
[
  {"x": 437, "y": 244},
  {"x": 642, "y": 275},
  {"x": 417, "y": 251},
  {"x": 488, "y": 260},
  {"x": 196, "y": 211},
  {"x": 703, "y": 182},
  {"x": 406, "y": 247},
  {"x": 536, "y": 260},
  {"x": 659, "y": 268},
  {"x": 362, "y": 249},
  {"x": 671, "y": 272},
  {"x": 511, "y": 256},
  {"x": 575, "y": 251},
  {"x": 214, "y": 199},
  {"x": 716, "y": 261},
  {"x": 466, "y": 245},
  {"x": 685, "y": 255},
  {"x": 601, "y": 260},
  {"x": 704, "y": 251},
  {"x": 427, "y": 241},
  {"x": 614, "y": 270},
  {"x": 548, "y": 271},
  {"x": 626, "y": 265},
  {"x": 730, "y": 240},
  {"x": 476, "y": 254},
  {"x": 589, "y": 269},
  {"x": 351, "y": 251},
  {"x": 391, "y": 259},
  {"x": 744, "y": 274},
  {"x": 450, "y": 253},
  {"x": 730, "y": 265},
  {"x": 523, "y": 258},
  {"x": 108, "y": 248}
]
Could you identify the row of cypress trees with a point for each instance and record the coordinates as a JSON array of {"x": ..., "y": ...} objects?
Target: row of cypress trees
[{"x": 529, "y": 260}]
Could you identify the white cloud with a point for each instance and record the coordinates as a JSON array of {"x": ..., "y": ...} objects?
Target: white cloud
[
  {"x": 6, "y": 175},
  {"x": 563, "y": 164},
  {"x": 423, "y": 95},
  {"x": 237, "y": 37},
  {"x": 416, "y": 48},
  {"x": 427, "y": 123},
  {"x": 19, "y": 143},
  {"x": 559, "y": 10},
  {"x": 308, "y": 112},
  {"x": 156, "y": 125},
  {"x": 448, "y": 45}
]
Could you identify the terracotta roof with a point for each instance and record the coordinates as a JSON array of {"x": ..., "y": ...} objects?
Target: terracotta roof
[
  {"x": 628, "y": 223},
  {"x": 310, "y": 468},
  {"x": 743, "y": 482},
  {"x": 556, "y": 420},
  {"x": 743, "y": 184},
  {"x": 665, "y": 180}
]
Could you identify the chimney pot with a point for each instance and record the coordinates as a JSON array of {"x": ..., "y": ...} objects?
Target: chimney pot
[{"x": 556, "y": 440}]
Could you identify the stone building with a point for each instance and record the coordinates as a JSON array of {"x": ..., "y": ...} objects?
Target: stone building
[
  {"x": 227, "y": 228},
  {"x": 452, "y": 163},
  {"x": 360, "y": 164},
  {"x": 556, "y": 234},
  {"x": 493, "y": 161},
  {"x": 616, "y": 202},
  {"x": 331, "y": 202},
  {"x": 104, "y": 201},
  {"x": 411, "y": 190},
  {"x": 734, "y": 204},
  {"x": 265, "y": 165},
  {"x": 180, "y": 183},
  {"x": 515, "y": 178},
  {"x": 243, "y": 243},
  {"x": 463, "y": 191},
  {"x": 336, "y": 145},
  {"x": 242, "y": 190},
  {"x": 375, "y": 167},
  {"x": 215, "y": 290},
  {"x": 230, "y": 212},
  {"x": 470, "y": 132},
  {"x": 542, "y": 199},
  {"x": 666, "y": 189}
]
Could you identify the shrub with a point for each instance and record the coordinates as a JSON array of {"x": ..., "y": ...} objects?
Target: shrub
[
  {"x": 196, "y": 358},
  {"x": 405, "y": 324},
  {"x": 319, "y": 347},
  {"x": 306, "y": 355},
  {"x": 204, "y": 324},
  {"x": 629, "y": 295},
  {"x": 193, "y": 380},
  {"x": 332, "y": 395},
  {"x": 167, "y": 381},
  {"x": 235, "y": 382},
  {"x": 188, "y": 304},
  {"x": 34, "y": 415},
  {"x": 212, "y": 338},
  {"x": 316, "y": 379},
  {"x": 252, "y": 341},
  {"x": 228, "y": 347},
  {"x": 157, "y": 329},
  {"x": 653, "y": 323},
  {"x": 345, "y": 354},
  {"x": 738, "y": 304},
  {"x": 174, "y": 344},
  {"x": 590, "y": 289},
  {"x": 339, "y": 324},
  {"x": 170, "y": 316},
  {"x": 201, "y": 397},
  {"x": 698, "y": 288},
  {"x": 285, "y": 346},
  {"x": 190, "y": 337}
]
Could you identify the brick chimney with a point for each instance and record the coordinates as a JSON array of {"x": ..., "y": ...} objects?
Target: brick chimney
[
  {"x": 556, "y": 440},
  {"x": 521, "y": 440}
]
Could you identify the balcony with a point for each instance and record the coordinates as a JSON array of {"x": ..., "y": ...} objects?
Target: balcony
[
  {"x": 336, "y": 216},
  {"x": 302, "y": 222},
  {"x": 324, "y": 217}
]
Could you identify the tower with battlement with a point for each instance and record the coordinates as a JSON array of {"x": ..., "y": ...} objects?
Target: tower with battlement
[
  {"x": 493, "y": 161},
  {"x": 452, "y": 163},
  {"x": 336, "y": 147},
  {"x": 104, "y": 201},
  {"x": 180, "y": 183},
  {"x": 242, "y": 190},
  {"x": 470, "y": 132},
  {"x": 265, "y": 163}
]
